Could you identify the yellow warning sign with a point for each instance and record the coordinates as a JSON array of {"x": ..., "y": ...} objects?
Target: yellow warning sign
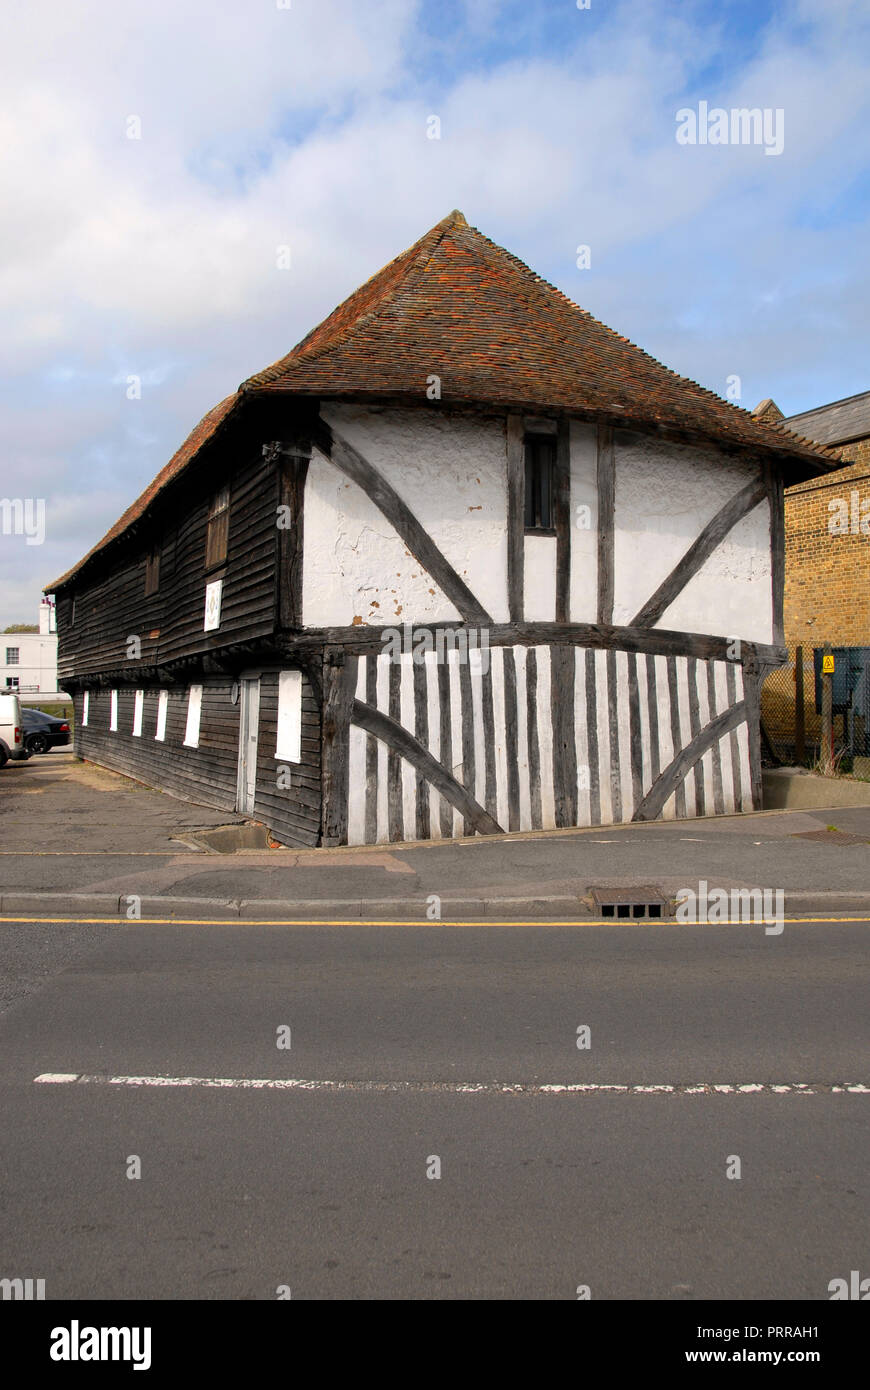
[{"x": 827, "y": 665}]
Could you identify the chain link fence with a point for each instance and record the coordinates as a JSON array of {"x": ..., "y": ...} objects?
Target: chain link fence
[{"x": 791, "y": 709}]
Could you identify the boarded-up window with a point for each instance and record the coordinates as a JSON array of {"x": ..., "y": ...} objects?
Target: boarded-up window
[
  {"x": 152, "y": 572},
  {"x": 218, "y": 529},
  {"x": 113, "y": 712},
  {"x": 289, "y": 744},
  {"x": 86, "y": 707},
  {"x": 194, "y": 710},
  {"x": 138, "y": 707},
  {"x": 162, "y": 706},
  {"x": 540, "y": 467}
]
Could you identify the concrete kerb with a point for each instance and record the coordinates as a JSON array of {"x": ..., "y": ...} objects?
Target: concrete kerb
[{"x": 114, "y": 907}]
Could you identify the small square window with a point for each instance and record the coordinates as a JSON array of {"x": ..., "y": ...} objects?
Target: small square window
[
  {"x": 218, "y": 529},
  {"x": 540, "y": 470}
]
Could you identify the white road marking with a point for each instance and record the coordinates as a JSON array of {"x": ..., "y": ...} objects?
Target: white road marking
[{"x": 50, "y": 1078}]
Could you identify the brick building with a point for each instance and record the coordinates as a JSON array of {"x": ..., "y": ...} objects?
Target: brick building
[{"x": 827, "y": 552}]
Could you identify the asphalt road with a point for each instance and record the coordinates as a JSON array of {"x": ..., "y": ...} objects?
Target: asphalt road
[{"x": 325, "y": 1190}]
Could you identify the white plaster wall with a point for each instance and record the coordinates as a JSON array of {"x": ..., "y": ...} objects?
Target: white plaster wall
[
  {"x": 355, "y": 568},
  {"x": 539, "y": 579},
  {"x": 451, "y": 471},
  {"x": 583, "y": 598},
  {"x": 665, "y": 494},
  {"x": 733, "y": 587}
]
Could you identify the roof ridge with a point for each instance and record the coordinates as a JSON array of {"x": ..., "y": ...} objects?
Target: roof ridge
[
  {"x": 816, "y": 409},
  {"x": 504, "y": 253},
  {"x": 297, "y": 355}
]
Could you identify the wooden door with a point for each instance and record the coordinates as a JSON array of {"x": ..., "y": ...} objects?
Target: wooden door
[{"x": 249, "y": 722}]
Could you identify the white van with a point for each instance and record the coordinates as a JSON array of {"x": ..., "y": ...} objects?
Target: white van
[{"x": 11, "y": 734}]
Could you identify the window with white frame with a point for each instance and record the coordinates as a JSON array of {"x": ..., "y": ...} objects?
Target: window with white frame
[{"x": 13, "y": 656}]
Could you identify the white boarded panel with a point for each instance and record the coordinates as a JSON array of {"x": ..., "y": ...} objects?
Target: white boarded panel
[
  {"x": 288, "y": 745},
  {"x": 162, "y": 708},
  {"x": 356, "y": 795},
  {"x": 194, "y": 713}
]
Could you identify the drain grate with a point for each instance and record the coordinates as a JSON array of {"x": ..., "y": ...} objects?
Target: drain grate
[
  {"x": 629, "y": 904},
  {"x": 831, "y": 837}
]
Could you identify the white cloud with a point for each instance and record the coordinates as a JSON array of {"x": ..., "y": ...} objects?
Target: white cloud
[{"x": 264, "y": 127}]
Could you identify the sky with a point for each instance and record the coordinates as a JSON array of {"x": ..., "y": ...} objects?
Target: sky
[{"x": 155, "y": 158}]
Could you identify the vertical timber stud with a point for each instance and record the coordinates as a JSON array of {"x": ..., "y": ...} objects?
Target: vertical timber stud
[
  {"x": 563, "y": 520},
  {"x": 606, "y": 494},
  {"x": 753, "y": 676},
  {"x": 516, "y": 484},
  {"x": 339, "y": 684},
  {"x": 776, "y": 501},
  {"x": 290, "y": 461}
]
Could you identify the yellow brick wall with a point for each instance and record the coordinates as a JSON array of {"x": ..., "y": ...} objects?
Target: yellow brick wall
[
  {"x": 827, "y": 587},
  {"x": 827, "y": 577}
]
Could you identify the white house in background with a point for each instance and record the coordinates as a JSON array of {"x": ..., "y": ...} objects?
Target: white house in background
[{"x": 28, "y": 660}]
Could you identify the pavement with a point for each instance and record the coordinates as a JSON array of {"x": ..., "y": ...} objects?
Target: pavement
[{"x": 79, "y": 841}]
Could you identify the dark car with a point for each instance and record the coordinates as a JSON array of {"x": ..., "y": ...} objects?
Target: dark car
[{"x": 43, "y": 731}]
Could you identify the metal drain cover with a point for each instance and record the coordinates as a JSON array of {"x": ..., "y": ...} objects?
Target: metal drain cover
[
  {"x": 832, "y": 837},
  {"x": 629, "y": 904}
]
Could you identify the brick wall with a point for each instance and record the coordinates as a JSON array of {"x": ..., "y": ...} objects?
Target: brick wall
[
  {"x": 827, "y": 577},
  {"x": 827, "y": 591}
]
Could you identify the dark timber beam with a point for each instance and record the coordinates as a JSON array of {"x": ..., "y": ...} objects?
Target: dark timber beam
[
  {"x": 674, "y": 774},
  {"x": 339, "y": 684},
  {"x": 773, "y": 478},
  {"x": 562, "y": 518},
  {"x": 398, "y": 740},
  {"x": 700, "y": 550},
  {"x": 657, "y": 641},
  {"x": 400, "y": 516},
  {"x": 516, "y": 491},
  {"x": 290, "y": 462},
  {"x": 606, "y": 500}
]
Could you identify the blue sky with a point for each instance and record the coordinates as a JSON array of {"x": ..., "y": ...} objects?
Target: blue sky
[{"x": 307, "y": 126}]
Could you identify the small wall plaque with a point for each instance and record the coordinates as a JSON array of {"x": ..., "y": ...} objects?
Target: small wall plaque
[{"x": 213, "y": 605}]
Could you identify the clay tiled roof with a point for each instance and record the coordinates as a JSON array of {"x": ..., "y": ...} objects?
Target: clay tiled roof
[{"x": 457, "y": 306}]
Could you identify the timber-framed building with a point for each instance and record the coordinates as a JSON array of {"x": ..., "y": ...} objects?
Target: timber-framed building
[{"x": 466, "y": 561}]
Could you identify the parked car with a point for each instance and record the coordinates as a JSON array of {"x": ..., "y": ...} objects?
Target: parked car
[
  {"x": 11, "y": 731},
  {"x": 43, "y": 732}
]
